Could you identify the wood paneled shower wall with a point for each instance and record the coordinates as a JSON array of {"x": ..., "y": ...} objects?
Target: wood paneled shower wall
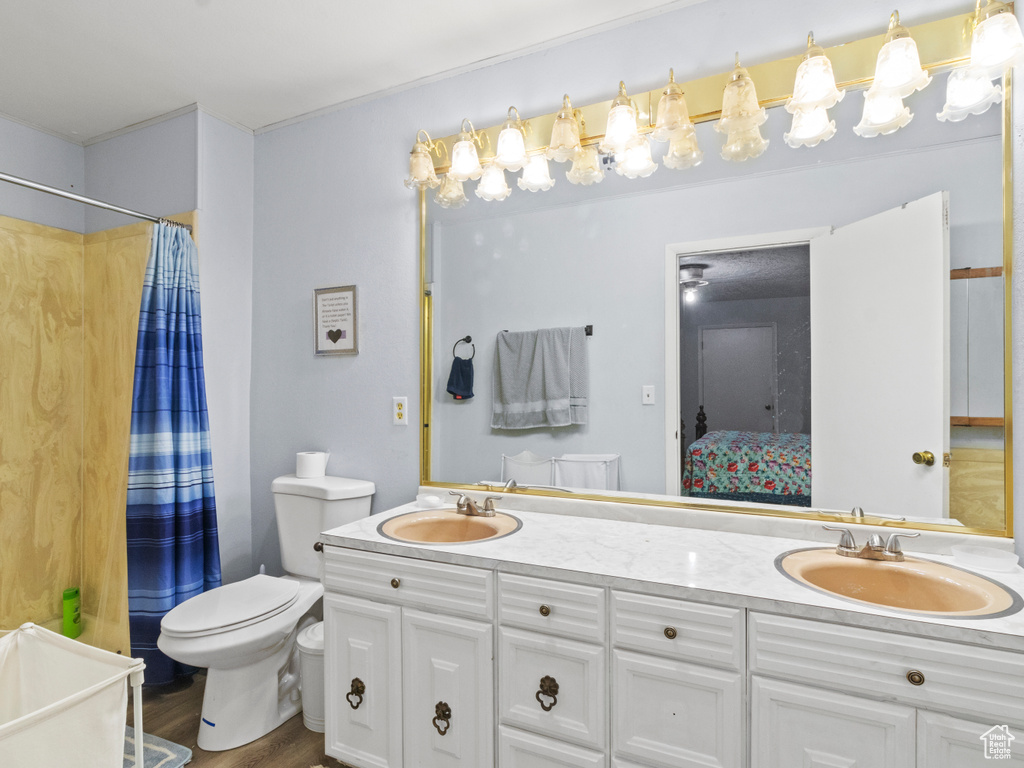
[{"x": 69, "y": 315}]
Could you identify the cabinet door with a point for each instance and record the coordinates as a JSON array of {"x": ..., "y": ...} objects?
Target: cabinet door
[
  {"x": 448, "y": 669},
  {"x": 944, "y": 741},
  {"x": 363, "y": 652},
  {"x": 795, "y": 725},
  {"x": 678, "y": 715}
]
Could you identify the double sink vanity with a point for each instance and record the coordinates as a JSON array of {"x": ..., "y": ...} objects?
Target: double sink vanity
[{"x": 565, "y": 633}]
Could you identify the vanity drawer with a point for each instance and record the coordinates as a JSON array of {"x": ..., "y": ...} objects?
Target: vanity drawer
[
  {"x": 518, "y": 749},
  {"x": 571, "y": 610},
  {"x": 986, "y": 682},
  {"x": 678, "y": 629},
  {"x": 577, "y": 711},
  {"x": 453, "y": 589}
]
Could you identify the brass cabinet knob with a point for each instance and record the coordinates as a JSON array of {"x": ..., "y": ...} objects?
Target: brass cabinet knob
[
  {"x": 915, "y": 677},
  {"x": 545, "y": 610},
  {"x": 924, "y": 457},
  {"x": 670, "y": 633},
  {"x": 396, "y": 583}
]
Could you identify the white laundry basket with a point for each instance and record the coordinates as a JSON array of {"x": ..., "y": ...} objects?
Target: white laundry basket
[{"x": 62, "y": 702}]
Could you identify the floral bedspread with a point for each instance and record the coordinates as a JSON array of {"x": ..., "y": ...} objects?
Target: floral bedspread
[{"x": 749, "y": 466}]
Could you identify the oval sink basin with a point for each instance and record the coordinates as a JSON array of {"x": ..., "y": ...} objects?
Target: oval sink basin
[
  {"x": 446, "y": 526},
  {"x": 912, "y": 585}
]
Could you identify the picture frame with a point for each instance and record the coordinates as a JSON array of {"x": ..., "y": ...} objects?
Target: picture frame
[{"x": 334, "y": 321}]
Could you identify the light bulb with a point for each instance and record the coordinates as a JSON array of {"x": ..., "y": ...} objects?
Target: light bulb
[
  {"x": 810, "y": 128},
  {"x": 565, "y": 134},
  {"x": 635, "y": 160},
  {"x": 536, "y": 175},
  {"x": 492, "y": 184},
  {"x": 884, "y": 113},
  {"x": 465, "y": 160},
  {"x": 690, "y": 294},
  {"x": 621, "y": 128},
  {"x": 451, "y": 193},
  {"x": 586, "y": 167},
  {"x": 968, "y": 92},
  {"x": 511, "y": 150},
  {"x": 997, "y": 43},
  {"x": 898, "y": 67}
]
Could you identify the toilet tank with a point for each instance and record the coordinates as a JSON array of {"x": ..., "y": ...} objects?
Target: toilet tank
[{"x": 305, "y": 506}]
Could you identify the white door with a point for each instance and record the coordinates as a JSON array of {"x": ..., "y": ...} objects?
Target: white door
[
  {"x": 363, "y": 653},
  {"x": 796, "y": 726},
  {"x": 737, "y": 379},
  {"x": 448, "y": 667},
  {"x": 880, "y": 362}
]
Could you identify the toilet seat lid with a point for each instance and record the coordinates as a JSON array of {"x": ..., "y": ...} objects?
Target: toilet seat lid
[{"x": 231, "y": 606}]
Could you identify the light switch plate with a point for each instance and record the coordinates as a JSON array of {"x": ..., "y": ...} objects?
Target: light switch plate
[
  {"x": 647, "y": 394},
  {"x": 400, "y": 411}
]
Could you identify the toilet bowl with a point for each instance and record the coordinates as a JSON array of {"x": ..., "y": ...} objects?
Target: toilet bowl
[{"x": 244, "y": 633}]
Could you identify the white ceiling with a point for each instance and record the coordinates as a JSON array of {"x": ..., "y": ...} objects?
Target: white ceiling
[{"x": 82, "y": 70}]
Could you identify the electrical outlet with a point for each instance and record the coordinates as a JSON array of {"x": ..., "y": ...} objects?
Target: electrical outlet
[
  {"x": 647, "y": 394},
  {"x": 400, "y": 411}
]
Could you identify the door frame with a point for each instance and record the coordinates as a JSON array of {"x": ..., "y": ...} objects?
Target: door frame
[
  {"x": 673, "y": 297},
  {"x": 775, "y": 362}
]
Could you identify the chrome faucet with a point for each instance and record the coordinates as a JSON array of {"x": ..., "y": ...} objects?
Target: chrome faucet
[
  {"x": 466, "y": 506},
  {"x": 875, "y": 548}
]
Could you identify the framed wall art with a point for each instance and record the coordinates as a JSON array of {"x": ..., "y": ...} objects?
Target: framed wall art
[{"x": 334, "y": 321}]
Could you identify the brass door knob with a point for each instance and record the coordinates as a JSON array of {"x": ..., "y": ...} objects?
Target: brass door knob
[{"x": 924, "y": 457}]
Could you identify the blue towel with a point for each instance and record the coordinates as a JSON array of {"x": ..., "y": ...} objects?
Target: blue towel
[{"x": 460, "y": 380}]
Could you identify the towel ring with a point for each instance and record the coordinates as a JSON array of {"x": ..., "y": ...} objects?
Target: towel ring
[{"x": 465, "y": 340}]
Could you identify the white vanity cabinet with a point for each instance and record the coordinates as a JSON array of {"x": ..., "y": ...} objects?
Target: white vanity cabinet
[
  {"x": 408, "y": 662},
  {"x": 829, "y": 695}
]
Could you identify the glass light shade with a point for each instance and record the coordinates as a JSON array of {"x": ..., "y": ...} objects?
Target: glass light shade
[
  {"x": 810, "y": 128},
  {"x": 898, "y": 67},
  {"x": 536, "y": 175},
  {"x": 621, "y": 128},
  {"x": 635, "y": 160},
  {"x": 450, "y": 194},
  {"x": 492, "y": 184},
  {"x": 997, "y": 43},
  {"x": 815, "y": 84},
  {"x": 465, "y": 160},
  {"x": 968, "y": 92},
  {"x": 683, "y": 152},
  {"x": 511, "y": 150},
  {"x": 673, "y": 116},
  {"x": 744, "y": 144},
  {"x": 884, "y": 113},
  {"x": 565, "y": 134},
  {"x": 740, "y": 111},
  {"x": 421, "y": 168},
  {"x": 586, "y": 167}
]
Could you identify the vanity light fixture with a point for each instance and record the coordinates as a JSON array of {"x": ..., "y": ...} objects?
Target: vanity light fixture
[
  {"x": 673, "y": 117},
  {"x": 492, "y": 184},
  {"x": 565, "y": 134},
  {"x": 884, "y": 112},
  {"x": 814, "y": 92},
  {"x": 421, "y": 166},
  {"x": 621, "y": 128},
  {"x": 511, "y": 152},
  {"x": 741, "y": 117},
  {"x": 683, "y": 153},
  {"x": 898, "y": 67},
  {"x": 450, "y": 194},
  {"x": 465, "y": 160},
  {"x": 968, "y": 92},
  {"x": 586, "y": 167},
  {"x": 997, "y": 43},
  {"x": 691, "y": 277},
  {"x": 536, "y": 175}
]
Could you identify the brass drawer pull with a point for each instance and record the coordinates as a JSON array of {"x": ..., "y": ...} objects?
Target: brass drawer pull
[
  {"x": 670, "y": 633},
  {"x": 549, "y": 688},
  {"x": 915, "y": 677},
  {"x": 396, "y": 583},
  {"x": 442, "y": 713},
  {"x": 545, "y": 610},
  {"x": 358, "y": 689}
]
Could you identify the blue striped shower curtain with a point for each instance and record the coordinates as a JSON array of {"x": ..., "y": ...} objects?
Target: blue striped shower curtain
[{"x": 172, "y": 515}]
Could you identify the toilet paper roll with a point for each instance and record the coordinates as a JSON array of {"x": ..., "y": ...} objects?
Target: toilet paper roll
[{"x": 311, "y": 463}]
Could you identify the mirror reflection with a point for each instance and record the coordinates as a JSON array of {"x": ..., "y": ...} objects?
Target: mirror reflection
[{"x": 851, "y": 322}]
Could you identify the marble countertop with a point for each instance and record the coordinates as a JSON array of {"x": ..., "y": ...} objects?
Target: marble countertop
[{"x": 711, "y": 566}]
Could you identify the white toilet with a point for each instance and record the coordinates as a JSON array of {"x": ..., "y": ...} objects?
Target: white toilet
[{"x": 244, "y": 633}]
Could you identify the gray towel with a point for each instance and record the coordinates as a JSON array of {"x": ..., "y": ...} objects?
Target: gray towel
[{"x": 540, "y": 379}]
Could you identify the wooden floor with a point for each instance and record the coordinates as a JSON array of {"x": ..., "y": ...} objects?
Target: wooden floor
[{"x": 172, "y": 712}]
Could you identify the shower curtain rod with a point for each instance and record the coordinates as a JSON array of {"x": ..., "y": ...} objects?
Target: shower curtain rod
[{"x": 87, "y": 200}]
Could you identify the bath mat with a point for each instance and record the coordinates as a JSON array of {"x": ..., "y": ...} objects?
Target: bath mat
[{"x": 157, "y": 752}]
